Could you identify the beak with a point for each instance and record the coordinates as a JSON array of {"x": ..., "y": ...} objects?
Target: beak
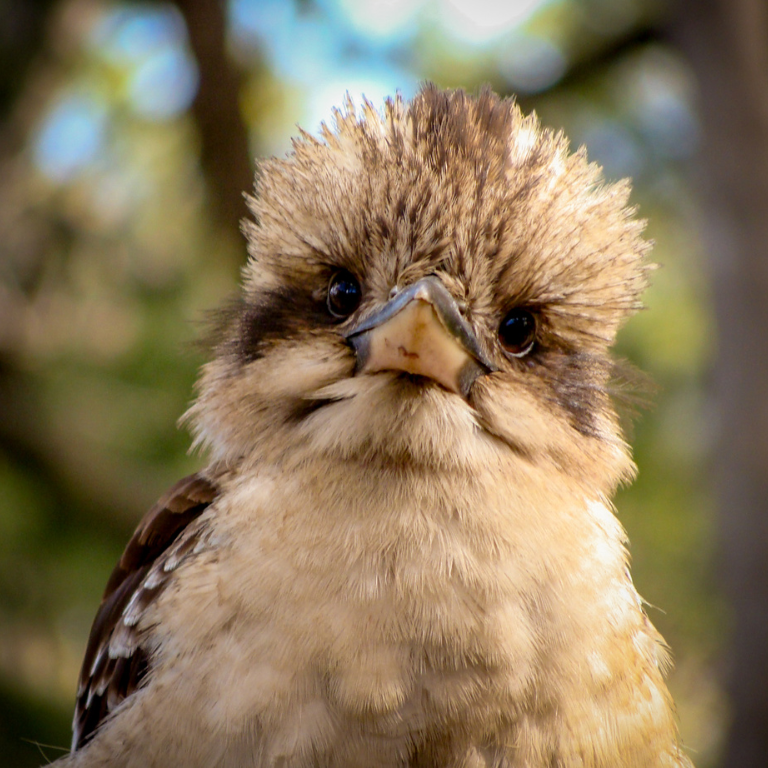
[{"x": 421, "y": 331}]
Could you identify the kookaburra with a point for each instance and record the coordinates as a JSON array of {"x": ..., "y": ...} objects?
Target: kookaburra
[{"x": 402, "y": 551}]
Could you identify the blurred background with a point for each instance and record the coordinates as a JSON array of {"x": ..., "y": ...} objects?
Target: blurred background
[{"x": 128, "y": 132}]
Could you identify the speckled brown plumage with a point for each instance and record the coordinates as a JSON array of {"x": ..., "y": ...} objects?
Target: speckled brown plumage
[{"x": 116, "y": 660}]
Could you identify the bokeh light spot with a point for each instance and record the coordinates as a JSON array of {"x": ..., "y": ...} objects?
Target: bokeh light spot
[
  {"x": 532, "y": 64},
  {"x": 480, "y": 21},
  {"x": 130, "y": 33},
  {"x": 381, "y": 19},
  {"x": 614, "y": 147},
  {"x": 164, "y": 85},
  {"x": 70, "y": 137}
]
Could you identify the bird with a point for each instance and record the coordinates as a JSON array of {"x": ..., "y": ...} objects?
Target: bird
[{"x": 403, "y": 549}]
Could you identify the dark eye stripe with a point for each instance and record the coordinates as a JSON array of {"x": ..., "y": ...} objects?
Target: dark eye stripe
[{"x": 284, "y": 313}]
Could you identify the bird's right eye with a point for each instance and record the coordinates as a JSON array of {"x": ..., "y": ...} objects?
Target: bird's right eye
[{"x": 344, "y": 294}]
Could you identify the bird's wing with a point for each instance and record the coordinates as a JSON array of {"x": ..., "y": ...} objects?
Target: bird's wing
[{"x": 115, "y": 660}]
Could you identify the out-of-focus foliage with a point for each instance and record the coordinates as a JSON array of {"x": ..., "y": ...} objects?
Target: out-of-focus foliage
[{"x": 110, "y": 253}]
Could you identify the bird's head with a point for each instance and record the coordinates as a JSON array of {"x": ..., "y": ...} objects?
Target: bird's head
[{"x": 423, "y": 283}]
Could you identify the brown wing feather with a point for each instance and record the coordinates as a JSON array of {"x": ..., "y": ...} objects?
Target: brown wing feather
[{"x": 115, "y": 662}]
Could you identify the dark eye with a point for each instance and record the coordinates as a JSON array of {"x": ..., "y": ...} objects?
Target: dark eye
[
  {"x": 517, "y": 332},
  {"x": 344, "y": 294}
]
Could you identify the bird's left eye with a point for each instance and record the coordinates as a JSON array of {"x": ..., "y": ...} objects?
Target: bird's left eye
[
  {"x": 344, "y": 294},
  {"x": 517, "y": 332}
]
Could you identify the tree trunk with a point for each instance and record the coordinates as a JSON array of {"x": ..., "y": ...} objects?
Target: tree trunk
[
  {"x": 727, "y": 44},
  {"x": 225, "y": 156}
]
